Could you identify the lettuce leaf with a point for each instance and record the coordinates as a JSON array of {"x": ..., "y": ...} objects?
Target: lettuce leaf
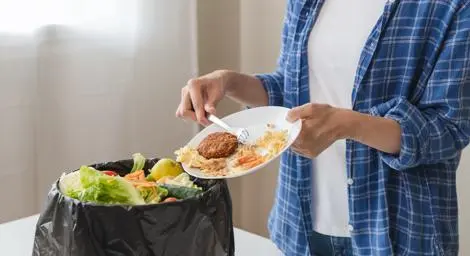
[
  {"x": 139, "y": 162},
  {"x": 101, "y": 188},
  {"x": 70, "y": 184}
]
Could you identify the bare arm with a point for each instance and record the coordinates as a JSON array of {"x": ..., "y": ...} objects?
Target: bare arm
[
  {"x": 380, "y": 133},
  {"x": 323, "y": 124},
  {"x": 246, "y": 89}
]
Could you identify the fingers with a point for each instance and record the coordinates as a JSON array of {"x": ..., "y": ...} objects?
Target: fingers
[
  {"x": 306, "y": 111},
  {"x": 185, "y": 108},
  {"x": 300, "y": 145},
  {"x": 192, "y": 105},
  {"x": 302, "y": 112},
  {"x": 297, "y": 146},
  {"x": 299, "y": 151},
  {"x": 213, "y": 98},
  {"x": 197, "y": 100},
  {"x": 200, "y": 97},
  {"x": 210, "y": 108}
]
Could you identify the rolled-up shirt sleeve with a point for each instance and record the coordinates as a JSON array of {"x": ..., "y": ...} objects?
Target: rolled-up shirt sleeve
[
  {"x": 273, "y": 82},
  {"x": 436, "y": 127}
]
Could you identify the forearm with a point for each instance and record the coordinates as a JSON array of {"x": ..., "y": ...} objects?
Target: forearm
[
  {"x": 377, "y": 132},
  {"x": 246, "y": 89}
]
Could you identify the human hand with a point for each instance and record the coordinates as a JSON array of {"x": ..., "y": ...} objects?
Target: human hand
[
  {"x": 321, "y": 126},
  {"x": 201, "y": 96}
]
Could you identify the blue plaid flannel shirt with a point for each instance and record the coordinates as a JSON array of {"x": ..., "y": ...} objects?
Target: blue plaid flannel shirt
[{"x": 415, "y": 69}]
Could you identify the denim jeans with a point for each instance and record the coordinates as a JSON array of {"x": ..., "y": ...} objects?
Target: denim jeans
[{"x": 323, "y": 245}]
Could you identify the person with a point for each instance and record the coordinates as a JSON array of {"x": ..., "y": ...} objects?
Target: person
[{"x": 383, "y": 92}]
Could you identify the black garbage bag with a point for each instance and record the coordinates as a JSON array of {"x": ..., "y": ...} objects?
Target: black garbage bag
[{"x": 200, "y": 226}]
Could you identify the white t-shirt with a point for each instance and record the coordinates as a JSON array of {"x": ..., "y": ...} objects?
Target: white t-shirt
[{"x": 334, "y": 47}]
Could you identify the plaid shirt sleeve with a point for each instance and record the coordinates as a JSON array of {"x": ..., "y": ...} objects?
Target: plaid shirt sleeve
[
  {"x": 436, "y": 127},
  {"x": 274, "y": 82}
]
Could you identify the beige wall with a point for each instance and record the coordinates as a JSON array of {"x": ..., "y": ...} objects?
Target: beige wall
[{"x": 260, "y": 31}]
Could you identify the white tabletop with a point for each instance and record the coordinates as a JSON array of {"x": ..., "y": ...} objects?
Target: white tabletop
[{"x": 16, "y": 239}]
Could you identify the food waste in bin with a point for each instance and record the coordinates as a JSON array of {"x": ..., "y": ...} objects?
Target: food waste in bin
[{"x": 166, "y": 182}]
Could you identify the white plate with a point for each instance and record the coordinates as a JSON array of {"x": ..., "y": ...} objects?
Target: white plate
[{"x": 255, "y": 121}]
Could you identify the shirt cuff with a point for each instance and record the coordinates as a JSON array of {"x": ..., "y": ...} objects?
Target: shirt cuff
[
  {"x": 272, "y": 83},
  {"x": 414, "y": 132}
]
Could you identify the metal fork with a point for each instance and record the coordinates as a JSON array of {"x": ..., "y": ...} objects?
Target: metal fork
[{"x": 241, "y": 133}]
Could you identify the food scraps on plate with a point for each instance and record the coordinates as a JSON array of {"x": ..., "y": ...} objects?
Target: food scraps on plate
[{"x": 220, "y": 154}]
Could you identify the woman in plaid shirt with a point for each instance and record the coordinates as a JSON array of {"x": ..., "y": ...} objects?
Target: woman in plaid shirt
[{"x": 382, "y": 89}]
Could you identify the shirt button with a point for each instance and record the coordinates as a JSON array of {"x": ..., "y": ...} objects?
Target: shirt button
[
  {"x": 350, "y": 181},
  {"x": 350, "y": 228}
]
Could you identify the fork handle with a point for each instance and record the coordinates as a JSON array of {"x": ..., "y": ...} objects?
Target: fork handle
[{"x": 219, "y": 122}]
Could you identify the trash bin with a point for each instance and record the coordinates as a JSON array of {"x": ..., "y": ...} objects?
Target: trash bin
[{"x": 198, "y": 226}]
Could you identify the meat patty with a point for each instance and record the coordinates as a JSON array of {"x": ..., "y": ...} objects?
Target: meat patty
[{"x": 218, "y": 145}]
